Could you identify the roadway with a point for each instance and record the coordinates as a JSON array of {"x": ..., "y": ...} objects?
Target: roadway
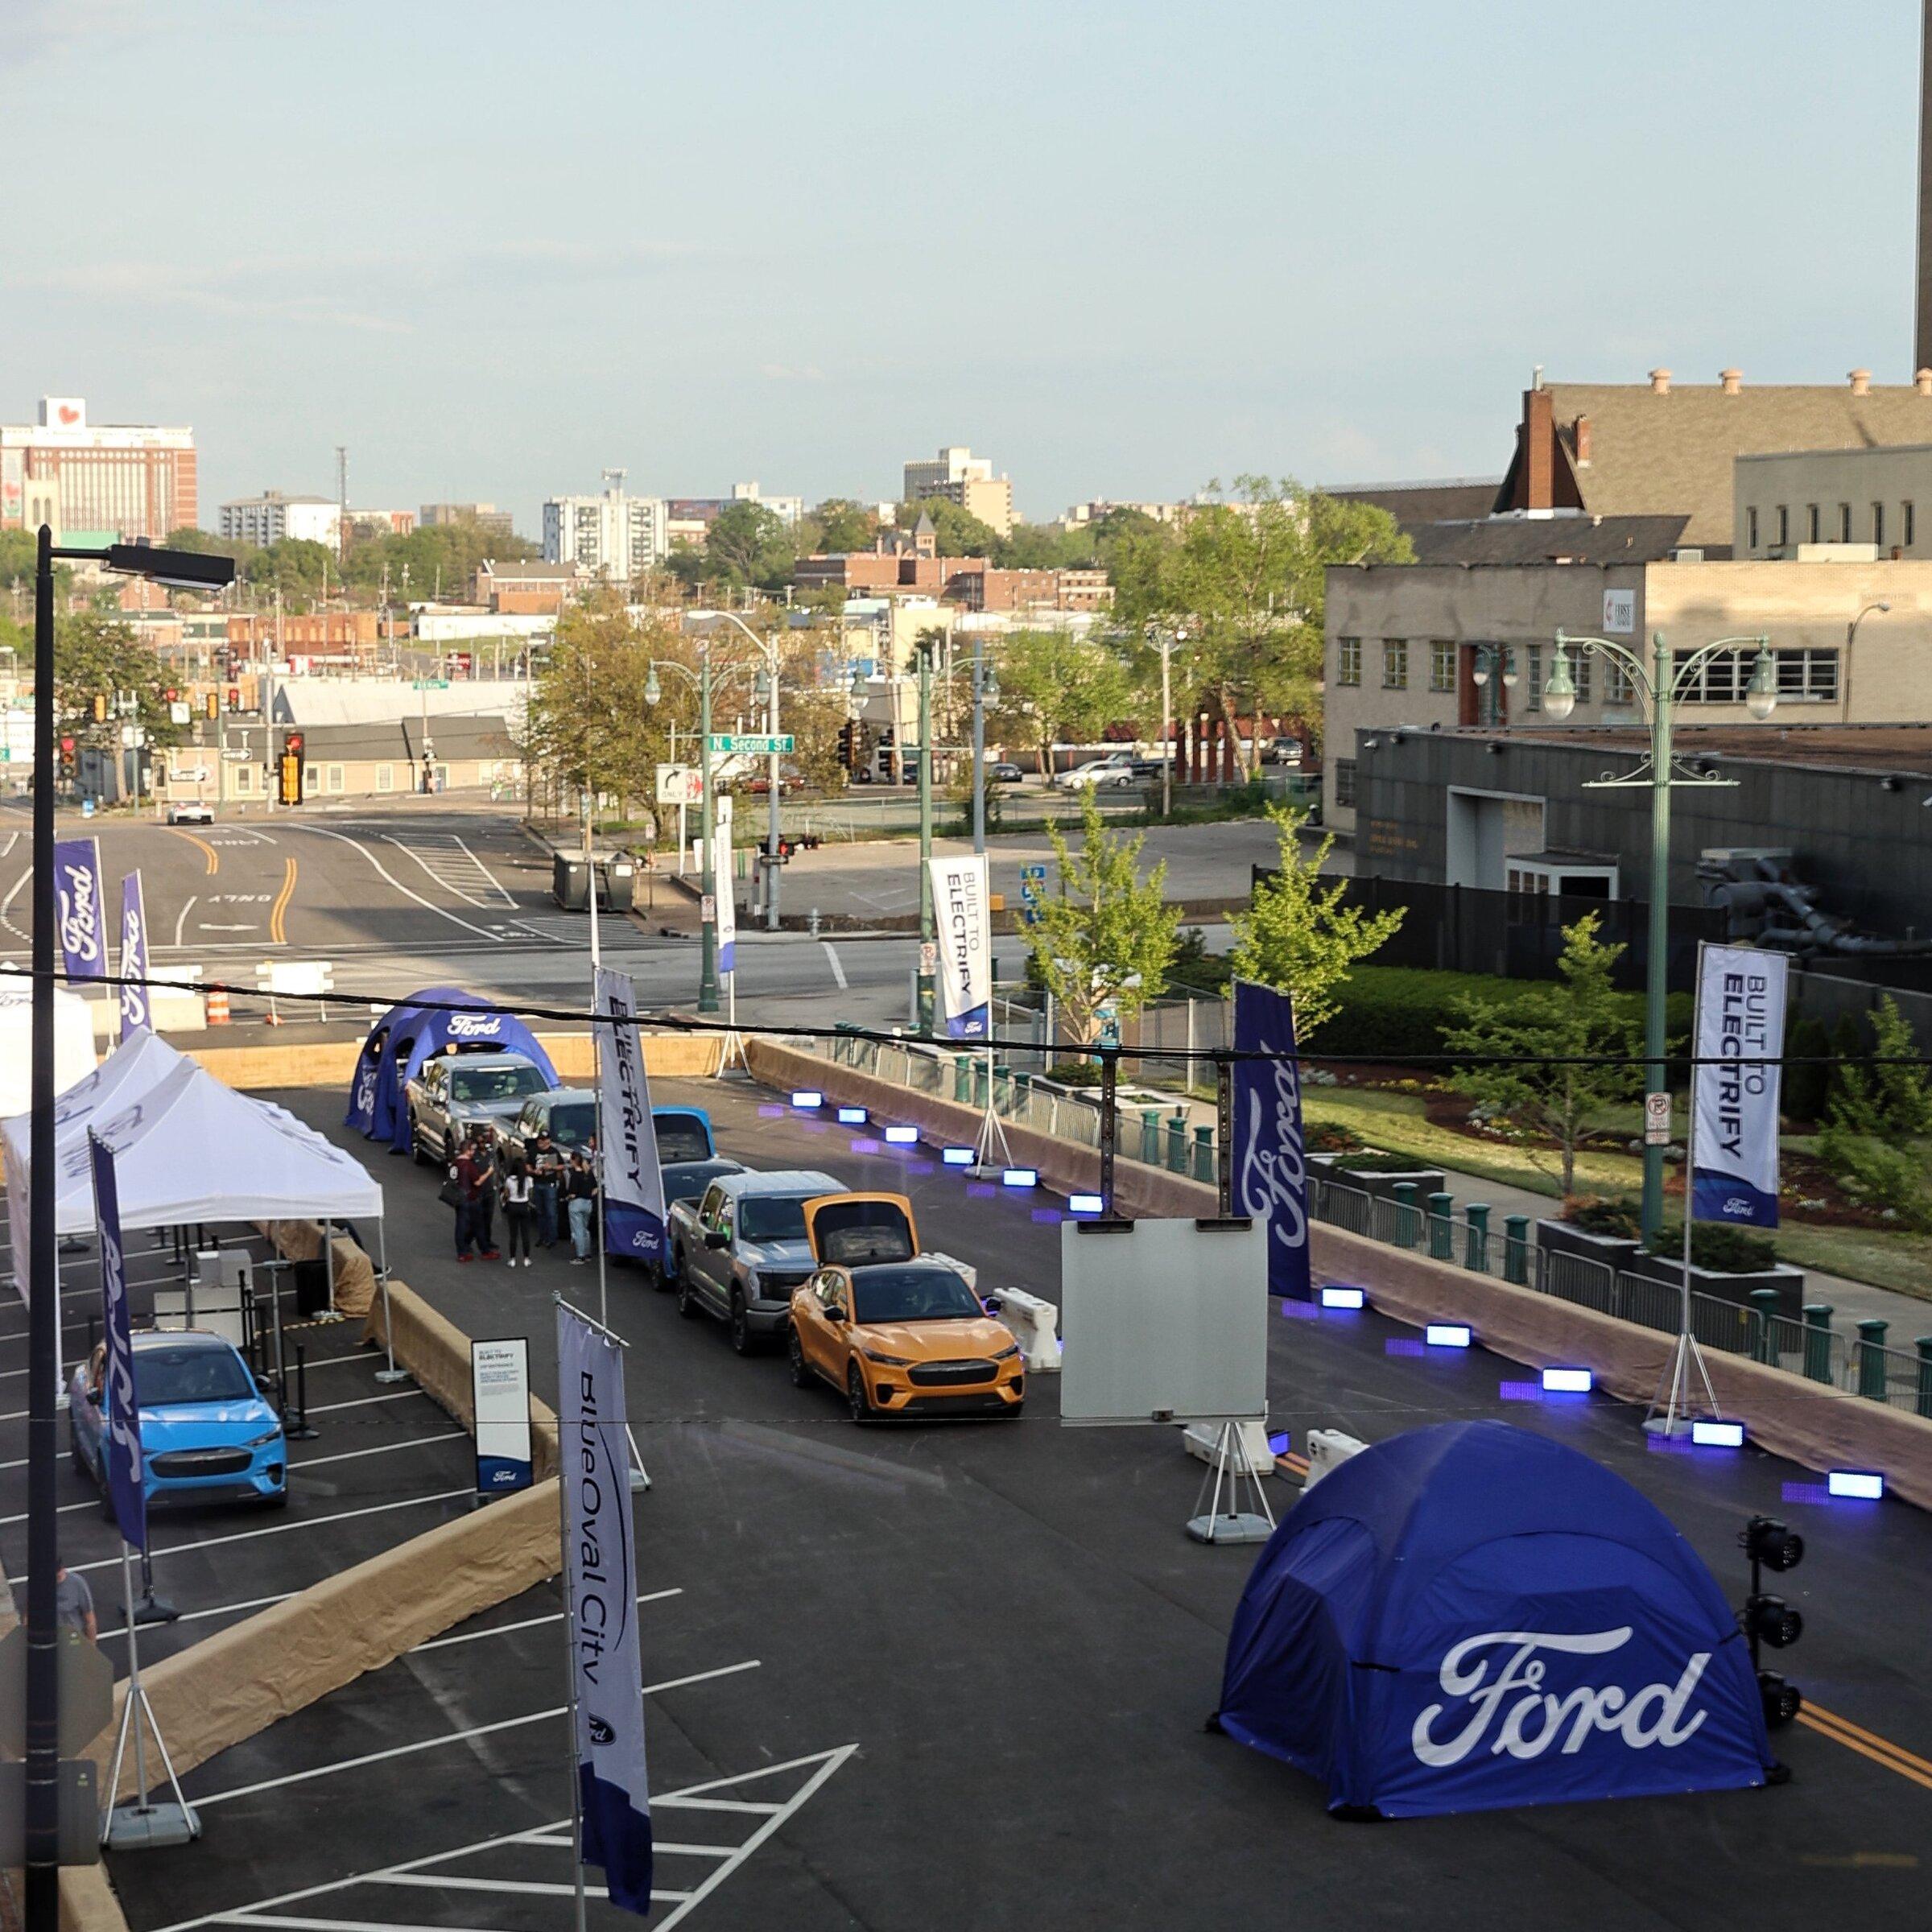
[{"x": 983, "y": 1653}]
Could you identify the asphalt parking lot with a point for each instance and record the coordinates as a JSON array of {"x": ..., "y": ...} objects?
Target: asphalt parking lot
[{"x": 955, "y": 1674}]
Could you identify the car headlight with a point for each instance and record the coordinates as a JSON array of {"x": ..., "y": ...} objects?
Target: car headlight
[
  {"x": 261, "y": 1442},
  {"x": 751, "y": 1283},
  {"x": 1006, "y": 1355},
  {"x": 886, "y": 1361}
]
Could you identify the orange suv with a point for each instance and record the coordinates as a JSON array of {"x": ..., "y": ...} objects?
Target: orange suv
[{"x": 897, "y": 1332}]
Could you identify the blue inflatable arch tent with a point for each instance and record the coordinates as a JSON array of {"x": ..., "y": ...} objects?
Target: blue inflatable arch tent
[
  {"x": 1469, "y": 1616},
  {"x": 408, "y": 1035}
]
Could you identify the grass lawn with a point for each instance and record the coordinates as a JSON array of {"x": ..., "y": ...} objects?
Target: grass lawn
[{"x": 1901, "y": 1260}]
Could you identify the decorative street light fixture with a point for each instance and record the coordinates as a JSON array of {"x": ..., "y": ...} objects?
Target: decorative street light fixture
[
  {"x": 1659, "y": 686},
  {"x": 1499, "y": 661},
  {"x": 183, "y": 570}
]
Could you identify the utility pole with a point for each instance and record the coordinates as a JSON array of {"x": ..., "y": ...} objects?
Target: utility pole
[{"x": 342, "y": 503}]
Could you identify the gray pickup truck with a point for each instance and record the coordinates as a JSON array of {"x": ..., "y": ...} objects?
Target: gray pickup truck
[
  {"x": 456, "y": 1091},
  {"x": 739, "y": 1250}
]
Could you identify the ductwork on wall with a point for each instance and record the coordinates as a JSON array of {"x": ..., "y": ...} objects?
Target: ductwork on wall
[{"x": 1762, "y": 901}]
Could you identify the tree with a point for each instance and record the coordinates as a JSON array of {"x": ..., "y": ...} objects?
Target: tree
[
  {"x": 95, "y": 656},
  {"x": 1059, "y": 689},
  {"x": 1301, "y": 934},
  {"x": 844, "y": 527},
  {"x": 960, "y": 534},
  {"x": 749, "y": 544},
  {"x": 1044, "y": 546},
  {"x": 1878, "y": 1120},
  {"x": 1245, "y": 581},
  {"x": 1108, "y": 936},
  {"x": 1533, "y": 1082}
]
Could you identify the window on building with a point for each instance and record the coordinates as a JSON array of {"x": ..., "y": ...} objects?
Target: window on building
[
  {"x": 1844, "y": 522},
  {"x": 386, "y": 778},
  {"x": 1395, "y": 663},
  {"x": 1618, "y": 689},
  {"x": 334, "y": 778},
  {"x": 1344, "y": 780},
  {"x": 1442, "y": 665},
  {"x": 1812, "y": 524},
  {"x": 1908, "y": 525},
  {"x": 1784, "y": 525},
  {"x": 1804, "y": 676},
  {"x": 1580, "y": 673},
  {"x": 1348, "y": 660},
  {"x": 1533, "y": 681},
  {"x": 1751, "y": 528},
  {"x": 311, "y": 781},
  {"x": 1878, "y": 525},
  {"x": 245, "y": 778},
  {"x": 1807, "y": 676}
]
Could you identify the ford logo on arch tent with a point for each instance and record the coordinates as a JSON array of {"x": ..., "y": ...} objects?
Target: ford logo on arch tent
[{"x": 1468, "y": 1616}]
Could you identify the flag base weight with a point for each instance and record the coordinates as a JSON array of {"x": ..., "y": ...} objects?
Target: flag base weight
[
  {"x": 1228, "y": 1469},
  {"x": 137, "y": 1827}
]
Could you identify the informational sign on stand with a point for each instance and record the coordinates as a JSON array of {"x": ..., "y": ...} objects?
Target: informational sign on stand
[{"x": 499, "y": 1379}]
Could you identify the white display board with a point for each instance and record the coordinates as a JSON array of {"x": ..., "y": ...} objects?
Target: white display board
[
  {"x": 1164, "y": 1321},
  {"x": 499, "y": 1380}
]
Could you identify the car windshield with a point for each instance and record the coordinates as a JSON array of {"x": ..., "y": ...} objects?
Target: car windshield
[
  {"x": 772, "y": 1217},
  {"x": 488, "y": 1083},
  {"x": 681, "y": 1137},
  {"x": 573, "y": 1126},
  {"x": 687, "y": 1181},
  {"x": 189, "y": 1371},
  {"x": 911, "y": 1295}
]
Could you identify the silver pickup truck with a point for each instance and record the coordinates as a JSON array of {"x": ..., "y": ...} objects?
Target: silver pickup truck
[{"x": 739, "y": 1250}]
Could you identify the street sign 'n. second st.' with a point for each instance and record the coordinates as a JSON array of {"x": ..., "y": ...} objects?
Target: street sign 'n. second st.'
[{"x": 756, "y": 745}]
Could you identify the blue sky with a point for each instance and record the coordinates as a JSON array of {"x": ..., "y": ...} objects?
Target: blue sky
[{"x": 1120, "y": 249}]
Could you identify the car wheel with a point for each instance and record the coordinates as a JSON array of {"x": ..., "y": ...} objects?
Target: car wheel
[
  {"x": 856, "y": 1398},
  {"x": 1124, "y": 782},
  {"x": 688, "y": 1301},
  {"x": 794, "y": 1356},
  {"x": 417, "y": 1152},
  {"x": 741, "y": 1326},
  {"x": 73, "y": 1449},
  {"x": 107, "y": 1503}
]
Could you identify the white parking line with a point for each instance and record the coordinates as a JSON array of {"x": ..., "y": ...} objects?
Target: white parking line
[
  {"x": 454, "y": 1737},
  {"x": 349, "y": 1456},
  {"x": 838, "y": 971},
  {"x": 528, "y": 1623},
  {"x": 195, "y": 1616},
  {"x": 362, "y": 1401}
]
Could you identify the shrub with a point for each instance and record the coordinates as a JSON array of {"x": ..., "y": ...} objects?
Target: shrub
[
  {"x": 1847, "y": 1045},
  {"x": 1331, "y": 1136},
  {"x": 1718, "y": 1247},
  {"x": 1879, "y": 1173},
  {"x": 1373, "y": 1161},
  {"x": 1806, "y": 1089},
  {"x": 1602, "y": 1214}
]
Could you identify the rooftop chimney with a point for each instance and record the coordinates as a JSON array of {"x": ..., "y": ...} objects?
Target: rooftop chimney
[
  {"x": 1861, "y": 381},
  {"x": 1660, "y": 382},
  {"x": 1733, "y": 380},
  {"x": 1579, "y": 438},
  {"x": 1922, "y": 381}
]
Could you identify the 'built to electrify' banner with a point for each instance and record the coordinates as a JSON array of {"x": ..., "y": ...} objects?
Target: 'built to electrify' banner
[
  {"x": 627, "y": 1136},
  {"x": 1741, "y": 1039},
  {"x": 601, "y": 1583},
  {"x": 962, "y": 917}
]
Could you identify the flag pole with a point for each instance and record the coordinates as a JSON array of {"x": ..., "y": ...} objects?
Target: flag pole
[{"x": 570, "y": 1678}]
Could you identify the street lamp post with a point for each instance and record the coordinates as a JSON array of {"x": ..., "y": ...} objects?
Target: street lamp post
[
  {"x": 1659, "y": 687},
  {"x": 1851, "y": 638},
  {"x": 1168, "y": 639},
  {"x": 985, "y": 689},
  {"x": 769, "y": 646},
  {"x": 186, "y": 571},
  {"x": 1496, "y": 660},
  {"x": 708, "y": 883}
]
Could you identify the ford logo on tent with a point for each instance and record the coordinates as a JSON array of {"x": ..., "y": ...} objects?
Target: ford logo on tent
[{"x": 1468, "y": 1616}]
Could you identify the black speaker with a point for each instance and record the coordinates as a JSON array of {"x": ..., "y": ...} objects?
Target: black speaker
[{"x": 312, "y": 1286}]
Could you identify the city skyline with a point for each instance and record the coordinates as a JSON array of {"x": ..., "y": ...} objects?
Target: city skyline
[{"x": 816, "y": 304}]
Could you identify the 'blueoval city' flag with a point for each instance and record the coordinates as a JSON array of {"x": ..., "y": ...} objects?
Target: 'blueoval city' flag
[
  {"x": 1271, "y": 1170},
  {"x": 601, "y": 1587},
  {"x": 126, "y": 1472},
  {"x": 134, "y": 1007},
  {"x": 627, "y": 1136},
  {"x": 962, "y": 917},
  {"x": 80, "y": 908},
  {"x": 1741, "y": 1018}
]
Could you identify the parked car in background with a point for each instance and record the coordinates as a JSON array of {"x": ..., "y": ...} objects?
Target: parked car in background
[
  {"x": 207, "y": 1434},
  {"x": 190, "y": 811},
  {"x": 455, "y": 1091},
  {"x": 1283, "y": 751},
  {"x": 739, "y": 1251},
  {"x": 1116, "y": 769},
  {"x": 685, "y": 1182},
  {"x": 790, "y": 779},
  {"x": 568, "y": 1114},
  {"x": 1003, "y": 771}
]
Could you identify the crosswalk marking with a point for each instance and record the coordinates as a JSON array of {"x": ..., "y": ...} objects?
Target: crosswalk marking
[{"x": 450, "y": 863}]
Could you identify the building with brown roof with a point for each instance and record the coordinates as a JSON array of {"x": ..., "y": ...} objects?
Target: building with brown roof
[{"x": 1619, "y": 449}]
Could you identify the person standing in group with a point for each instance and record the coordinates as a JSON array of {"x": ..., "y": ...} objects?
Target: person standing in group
[
  {"x": 582, "y": 1190},
  {"x": 547, "y": 1170},
  {"x": 519, "y": 1209},
  {"x": 465, "y": 1179},
  {"x": 490, "y": 1171}
]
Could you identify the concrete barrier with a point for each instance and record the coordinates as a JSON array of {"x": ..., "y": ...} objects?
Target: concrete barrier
[
  {"x": 1035, "y": 1327},
  {"x": 1821, "y": 1427},
  {"x": 271, "y": 1065},
  {"x": 1327, "y": 1450}
]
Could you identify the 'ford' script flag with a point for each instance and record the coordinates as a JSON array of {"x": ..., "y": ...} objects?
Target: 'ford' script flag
[
  {"x": 126, "y": 1473},
  {"x": 627, "y": 1136},
  {"x": 1741, "y": 1018},
  {"x": 601, "y": 1583},
  {"x": 134, "y": 958},
  {"x": 1270, "y": 1172},
  {"x": 79, "y": 904},
  {"x": 962, "y": 915}
]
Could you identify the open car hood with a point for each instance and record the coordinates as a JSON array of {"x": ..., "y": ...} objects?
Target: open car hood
[{"x": 850, "y": 1230}]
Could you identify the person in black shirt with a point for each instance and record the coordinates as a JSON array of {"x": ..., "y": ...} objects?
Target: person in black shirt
[
  {"x": 545, "y": 1172},
  {"x": 581, "y": 1188}
]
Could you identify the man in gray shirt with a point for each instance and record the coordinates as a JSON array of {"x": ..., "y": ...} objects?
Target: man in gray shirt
[{"x": 74, "y": 1602}]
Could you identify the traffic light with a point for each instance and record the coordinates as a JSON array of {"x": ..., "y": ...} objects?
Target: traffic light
[
  {"x": 849, "y": 746},
  {"x": 99, "y": 708},
  {"x": 291, "y": 769},
  {"x": 235, "y": 697},
  {"x": 211, "y": 709},
  {"x": 1766, "y": 1619}
]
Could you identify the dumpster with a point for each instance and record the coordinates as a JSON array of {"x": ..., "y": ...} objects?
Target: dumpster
[
  {"x": 619, "y": 885},
  {"x": 570, "y": 882}
]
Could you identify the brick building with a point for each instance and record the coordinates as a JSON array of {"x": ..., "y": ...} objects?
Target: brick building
[{"x": 120, "y": 480}]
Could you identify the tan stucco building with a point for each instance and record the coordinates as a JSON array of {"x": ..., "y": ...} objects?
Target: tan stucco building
[
  {"x": 1784, "y": 504},
  {"x": 1404, "y": 645}
]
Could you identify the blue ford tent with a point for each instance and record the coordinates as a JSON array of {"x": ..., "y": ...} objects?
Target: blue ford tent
[
  {"x": 408, "y": 1035},
  {"x": 1469, "y": 1616}
]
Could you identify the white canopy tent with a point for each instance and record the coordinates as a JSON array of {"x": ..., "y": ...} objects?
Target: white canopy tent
[
  {"x": 187, "y": 1149},
  {"x": 73, "y": 1044}
]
